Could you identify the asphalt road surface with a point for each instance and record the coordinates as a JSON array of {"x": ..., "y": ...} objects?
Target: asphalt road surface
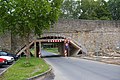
[
  {"x": 65, "y": 68},
  {"x": 3, "y": 67}
]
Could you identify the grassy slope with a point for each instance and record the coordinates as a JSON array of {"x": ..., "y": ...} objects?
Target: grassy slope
[{"x": 21, "y": 70}]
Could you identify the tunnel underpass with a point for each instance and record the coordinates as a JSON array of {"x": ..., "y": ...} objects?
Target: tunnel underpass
[
  {"x": 72, "y": 50},
  {"x": 65, "y": 46}
]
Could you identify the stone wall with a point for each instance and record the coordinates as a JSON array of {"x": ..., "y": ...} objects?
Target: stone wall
[
  {"x": 5, "y": 41},
  {"x": 93, "y": 34}
]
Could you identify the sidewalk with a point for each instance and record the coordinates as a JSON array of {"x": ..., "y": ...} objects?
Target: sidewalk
[{"x": 110, "y": 60}]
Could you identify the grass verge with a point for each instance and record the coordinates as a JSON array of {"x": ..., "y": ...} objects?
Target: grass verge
[
  {"x": 25, "y": 68},
  {"x": 53, "y": 50}
]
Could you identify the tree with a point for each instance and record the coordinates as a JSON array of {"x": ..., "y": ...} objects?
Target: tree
[
  {"x": 114, "y": 7},
  {"x": 21, "y": 17},
  {"x": 70, "y": 9},
  {"x": 95, "y": 10},
  {"x": 86, "y": 9},
  {"x": 67, "y": 9},
  {"x": 102, "y": 10}
]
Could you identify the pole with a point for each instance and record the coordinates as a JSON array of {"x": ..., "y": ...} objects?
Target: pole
[
  {"x": 35, "y": 48},
  {"x": 66, "y": 49},
  {"x": 40, "y": 49}
]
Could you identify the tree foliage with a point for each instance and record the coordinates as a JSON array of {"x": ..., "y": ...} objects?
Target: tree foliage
[
  {"x": 114, "y": 7},
  {"x": 91, "y": 9},
  {"x": 23, "y": 16},
  {"x": 69, "y": 9},
  {"x": 88, "y": 9}
]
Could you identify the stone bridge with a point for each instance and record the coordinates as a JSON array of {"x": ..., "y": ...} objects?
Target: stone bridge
[{"x": 91, "y": 35}]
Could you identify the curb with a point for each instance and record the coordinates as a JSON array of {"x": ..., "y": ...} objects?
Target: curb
[
  {"x": 6, "y": 69},
  {"x": 100, "y": 60},
  {"x": 40, "y": 75}
]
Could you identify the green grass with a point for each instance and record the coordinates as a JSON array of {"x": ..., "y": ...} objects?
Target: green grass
[
  {"x": 53, "y": 50},
  {"x": 25, "y": 68},
  {"x": 32, "y": 51}
]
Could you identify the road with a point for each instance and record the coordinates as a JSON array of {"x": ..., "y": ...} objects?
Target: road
[
  {"x": 81, "y": 69},
  {"x": 3, "y": 67}
]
